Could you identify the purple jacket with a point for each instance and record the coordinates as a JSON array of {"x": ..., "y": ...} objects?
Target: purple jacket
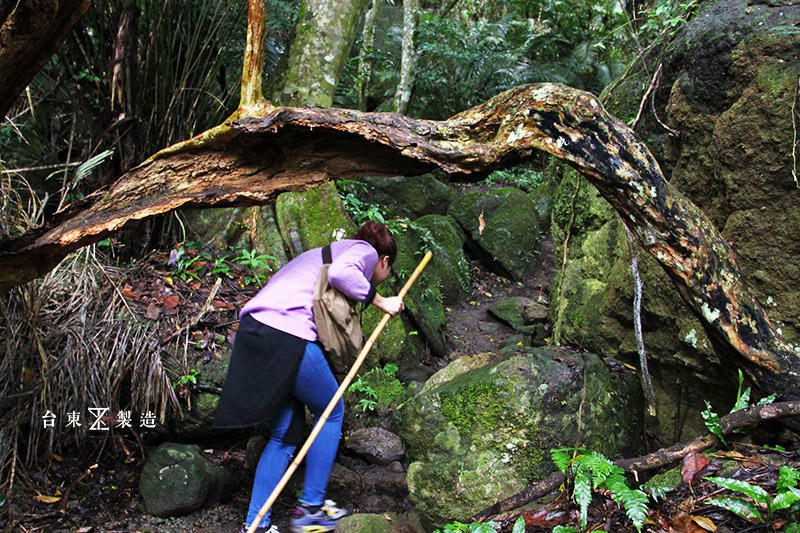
[{"x": 285, "y": 302}]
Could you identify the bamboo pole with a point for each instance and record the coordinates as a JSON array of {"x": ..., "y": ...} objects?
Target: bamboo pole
[{"x": 326, "y": 413}]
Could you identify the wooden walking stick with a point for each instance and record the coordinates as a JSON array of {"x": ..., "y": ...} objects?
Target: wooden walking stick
[{"x": 326, "y": 413}]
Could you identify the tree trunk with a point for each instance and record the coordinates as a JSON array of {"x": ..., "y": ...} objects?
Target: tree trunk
[
  {"x": 29, "y": 35},
  {"x": 312, "y": 65},
  {"x": 408, "y": 63},
  {"x": 365, "y": 57},
  {"x": 295, "y": 149},
  {"x": 124, "y": 84}
]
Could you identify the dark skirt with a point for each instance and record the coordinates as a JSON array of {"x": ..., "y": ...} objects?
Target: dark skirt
[{"x": 261, "y": 375}]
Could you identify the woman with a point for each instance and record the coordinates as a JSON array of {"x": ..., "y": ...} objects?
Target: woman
[{"x": 277, "y": 367}]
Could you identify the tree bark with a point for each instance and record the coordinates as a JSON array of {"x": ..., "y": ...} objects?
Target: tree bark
[
  {"x": 124, "y": 84},
  {"x": 365, "y": 57},
  {"x": 31, "y": 31},
  {"x": 252, "y": 70},
  {"x": 296, "y": 148},
  {"x": 657, "y": 459},
  {"x": 408, "y": 62},
  {"x": 312, "y": 65}
]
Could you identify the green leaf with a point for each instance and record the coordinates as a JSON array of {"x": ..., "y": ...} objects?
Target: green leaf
[
  {"x": 767, "y": 399},
  {"x": 739, "y": 506},
  {"x": 794, "y": 527},
  {"x": 583, "y": 495},
  {"x": 783, "y": 500},
  {"x": 564, "y": 529},
  {"x": 519, "y": 525},
  {"x": 787, "y": 477},
  {"x": 561, "y": 459},
  {"x": 599, "y": 466},
  {"x": 712, "y": 422},
  {"x": 87, "y": 166},
  {"x": 635, "y": 502},
  {"x": 754, "y": 491}
]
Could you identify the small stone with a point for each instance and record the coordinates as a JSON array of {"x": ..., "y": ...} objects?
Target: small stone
[{"x": 375, "y": 445}]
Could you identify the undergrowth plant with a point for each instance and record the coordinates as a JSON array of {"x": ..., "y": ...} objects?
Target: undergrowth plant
[
  {"x": 480, "y": 527},
  {"x": 590, "y": 471},
  {"x": 711, "y": 418},
  {"x": 758, "y": 503}
]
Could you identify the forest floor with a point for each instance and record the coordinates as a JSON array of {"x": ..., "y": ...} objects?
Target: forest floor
[{"x": 96, "y": 489}]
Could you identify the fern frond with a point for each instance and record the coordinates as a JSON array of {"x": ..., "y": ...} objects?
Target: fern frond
[
  {"x": 787, "y": 477},
  {"x": 599, "y": 466},
  {"x": 561, "y": 459},
  {"x": 583, "y": 495},
  {"x": 635, "y": 503}
]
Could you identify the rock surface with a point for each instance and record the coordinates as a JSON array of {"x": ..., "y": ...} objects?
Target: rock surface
[
  {"x": 178, "y": 479},
  {"x": 487, "y": 431}
]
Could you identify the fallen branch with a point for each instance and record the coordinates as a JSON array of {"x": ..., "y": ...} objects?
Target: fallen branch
[{"x": 662, "y": 457}]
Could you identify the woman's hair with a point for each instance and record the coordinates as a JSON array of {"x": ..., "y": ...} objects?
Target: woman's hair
[{"x": 378, "y": 236}]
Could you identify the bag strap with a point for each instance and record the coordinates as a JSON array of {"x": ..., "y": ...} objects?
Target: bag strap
[{"x": 326, "y": 254}]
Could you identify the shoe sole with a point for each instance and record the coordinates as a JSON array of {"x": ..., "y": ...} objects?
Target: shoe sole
[{"x": 311, "y": 529}]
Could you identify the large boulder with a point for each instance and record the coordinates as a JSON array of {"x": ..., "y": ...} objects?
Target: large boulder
[
  {"x": 502, "y": 228},
  {"x": 312, "y": 218},
  {"x": 728, "y": 86},
  {"x": 445, "y": 238},
  {"x": 484, "y": 430},
  {"x": 178, "y": 479},
  {"x": 409, "y": 197},
  {"x": 424, "y": 302}
]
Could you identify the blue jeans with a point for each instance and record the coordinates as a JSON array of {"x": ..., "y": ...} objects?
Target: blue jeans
[{"x": 314, "y": 386}]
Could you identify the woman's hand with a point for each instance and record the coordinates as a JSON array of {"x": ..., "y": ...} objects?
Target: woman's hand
[{"x": 391, "y": 305}]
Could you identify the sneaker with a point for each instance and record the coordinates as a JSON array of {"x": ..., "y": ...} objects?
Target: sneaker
[
  {"x": 322, "y": 521},
  {"x": 272, "y": 529}
]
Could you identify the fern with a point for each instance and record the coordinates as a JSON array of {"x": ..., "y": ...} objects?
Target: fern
[
  {"x": 599, "y": 466},
  {"x": 787, "y": 478},
  {"x": 561, "y": 459},
  {"x": 593, "y": 470},
  {"x": 583, "y": 494}
]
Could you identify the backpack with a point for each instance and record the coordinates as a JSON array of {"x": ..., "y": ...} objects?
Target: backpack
[{"x": 338, "y": 326}]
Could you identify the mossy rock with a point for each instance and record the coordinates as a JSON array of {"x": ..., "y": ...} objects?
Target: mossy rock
[
  {"x": 253, "y": 229},
  {"x": 312, "y": 218},
  {"x": 727, "y": 82},
  {"x": 374, "y": 523},
  {"x": 424, "y": 302},
  {"x": 487, "y": 433},
  {"x": 446, "y": 240},
  {"x": 410, "y": 197},
  {"x": 508, "y": 238},
  {"x": 398, "y": 344},
  {"x": 178, "y": 479},
  {"x": 519, "y": 313}
]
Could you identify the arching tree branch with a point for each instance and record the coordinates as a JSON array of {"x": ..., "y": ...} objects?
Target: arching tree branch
[{"x": 298, "y": 148}]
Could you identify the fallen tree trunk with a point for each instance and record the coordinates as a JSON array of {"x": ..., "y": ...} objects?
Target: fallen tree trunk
[
  {"x": 292, "y": 149},
  {"x": 658, "y": 459}
]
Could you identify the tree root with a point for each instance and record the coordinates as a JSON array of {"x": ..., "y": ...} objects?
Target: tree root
[{"x": 662, "y": 457}]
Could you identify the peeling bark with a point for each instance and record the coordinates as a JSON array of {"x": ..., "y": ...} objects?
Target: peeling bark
[
  {"x": 31, "y": 31},
  {"x": 298, "y": 148}
]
